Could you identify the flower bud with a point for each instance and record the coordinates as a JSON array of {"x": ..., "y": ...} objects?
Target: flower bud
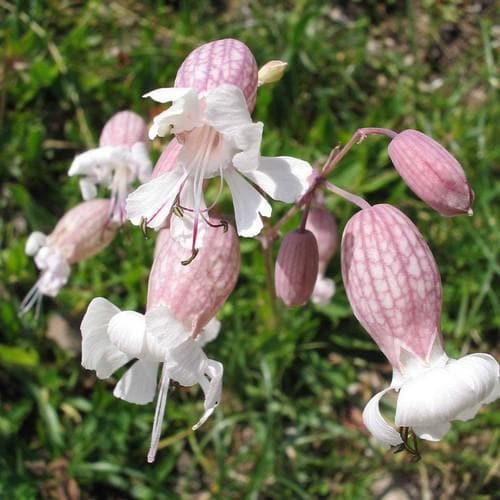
[
  {"x": 226, "y": 61},
  {"x": 296, "y": 267},
  {"x": 124, "y": 128},
  {"x": 392, "y": 281},
  {"x": 195, "y": 292},
  {"x": 431, "y": 172},
  {"x": 271, "y": 72},
  {"x": 322, "y": 224}
]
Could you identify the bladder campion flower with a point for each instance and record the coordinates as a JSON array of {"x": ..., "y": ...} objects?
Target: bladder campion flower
[
  {"x": 81, "y": 233},
  {"x": 182, "y": 302},
  {"x": 121, "y": 158},
  {"x": 211, "y": 121},
  {"x": 394, "y": 288}
]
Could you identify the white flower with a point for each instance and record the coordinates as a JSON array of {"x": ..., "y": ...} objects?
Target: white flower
[
  {"x": 111, "y": 338},
  {"x": 433, "y": 394},
  {"x": 218, "y": 138},
  {"x": 324, "y": 290},
  {"x": 114, "y": 167},
  {"x": 54, "y": 266}
]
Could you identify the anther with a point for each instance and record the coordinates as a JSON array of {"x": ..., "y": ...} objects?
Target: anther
[
  {"x": 144, "y": 227},
  {"x": 177, "y": 210},
  {"x": 222, "y": 223},
  {"x": 193, "y": 255}
]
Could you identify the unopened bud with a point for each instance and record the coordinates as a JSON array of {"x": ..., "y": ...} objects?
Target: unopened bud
[
  {"x": 431, "y": 172},
  {"x": 322, "y": 224},
  {"x": 296, "y": 267},
  {"x": 271, "y": 72},
  {"x": 194, "y": 293}
]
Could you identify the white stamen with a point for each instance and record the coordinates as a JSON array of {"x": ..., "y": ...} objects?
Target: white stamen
[{"x": 159, "y": 413}]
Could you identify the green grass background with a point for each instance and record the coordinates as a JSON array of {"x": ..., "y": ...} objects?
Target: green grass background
[{"x": 295, "y": 382}]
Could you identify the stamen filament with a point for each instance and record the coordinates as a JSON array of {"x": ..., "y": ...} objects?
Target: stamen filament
[{"x": 159, "y": 413}]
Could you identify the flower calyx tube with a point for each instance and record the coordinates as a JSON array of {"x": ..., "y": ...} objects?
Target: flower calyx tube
[
  {"x": 179, "y": 320},
  {"x": 81, "y": 233}
]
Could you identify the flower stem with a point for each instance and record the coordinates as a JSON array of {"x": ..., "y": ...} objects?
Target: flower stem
[
  {"x": 359, "y": 136},
  {"x": 357, "y": 200},
  {"x": 336, "y": 155}
]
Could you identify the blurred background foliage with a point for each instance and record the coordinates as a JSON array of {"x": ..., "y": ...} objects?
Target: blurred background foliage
[{"x": 295, "y": 380}]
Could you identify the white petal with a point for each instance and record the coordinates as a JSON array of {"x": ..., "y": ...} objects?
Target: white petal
[
  {"x": 438, "y": 395},
  {"x": 247, "y": 139},
  {"x": 283, "y": 178},
  {"x": 168, "y": 94},
  {"x": 376, "y": 423},
  {"x": 98, "y": 353},
  {"x": 154, "y": 200},
  {"x": 164, "y": 333},
  {"x": 35, "y": 241},
  {"x": 434, "y": 432},
  {"x": 248, "y": 204},
  {"x": 211, "y": 384},
  {"x": 140, "y": 154},
  {"x": 138, "y": 384},
  {"x": 226, "y": 109},
  {"x": 90, "y": 162},
  {"x": 209, "y": 333},
  {"x": 127, "y": 331},
  {"x": 88, "y": 189},
  {"x": 185, "y": 363},
  {"x": 183, "y": 115},
  {"x": 56, "y": 270},
  {"x": 324, "y": 290}
]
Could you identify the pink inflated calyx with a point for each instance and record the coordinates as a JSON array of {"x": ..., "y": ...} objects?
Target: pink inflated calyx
[
  {"x": 296, "y": 267},
  {"x": 124, "y": 128},
  {"x": 81, "y": 233},
  {"x": 168, "y": 159},
  {"x": 392, "y": 282},
  {"x": 431, "y": 172},
  {"x": 394, "y": 288},
  {"x": 225, "y": 61},
  {"x": 194, "y": 293}
]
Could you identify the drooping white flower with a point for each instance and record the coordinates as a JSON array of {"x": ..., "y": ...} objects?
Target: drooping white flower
[
  {"x": 82, "y": 232},
  {"x": 111, "y": 338},
  {"x": 121, "y": 158},
  {"x": 394, "y": 288},
  {"x": 218, "y": 139}
]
